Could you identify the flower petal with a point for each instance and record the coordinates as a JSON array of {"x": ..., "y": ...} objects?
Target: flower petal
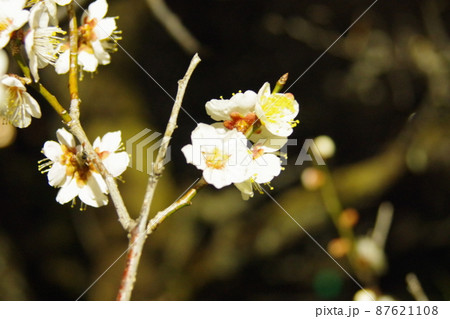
[
  {"x": 105, "y": 28},
  {"x": 57, "y": 175},
  {"x": 52, "y": 150},
  {"x": 111, "y": 141},
  {"x": 65, "y": 137},
  {"x": 242, "y": 103},
  {"x": 217, "y": 178},
  {"x": 92, "y": 193},
  {"x": 87, "y": 61},
  {"x": 62, "y": 65},
  {"x": 62, "y": 2},
  {"x": 116, "y": 163},
  {"x": 100, "y": 53},
  {"x": 268, "y": 166},
  {"x": 12, "y": 82},
  {"x": 97, "y": 10},
  {"x": 68, "y": 191},
  {"x": 32, "y": 105}
]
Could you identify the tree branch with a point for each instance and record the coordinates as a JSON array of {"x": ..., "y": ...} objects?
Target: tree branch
[
  {"x": 139, "y": 233},
  {"x": 77, "y": 130}
]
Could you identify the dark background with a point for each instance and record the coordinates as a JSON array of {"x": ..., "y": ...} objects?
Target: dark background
[{"x": 382, "y": 93}]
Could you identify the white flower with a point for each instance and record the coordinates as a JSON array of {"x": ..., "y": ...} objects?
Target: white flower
[
  {"x": 242, "y": 103},
  {"x": 41, "y": 42},
  {"x": 52, "y": 10},
  {"x": 221, "y": 154},
  {"x": 75, "y": 174},
  {"x": 262, "y": 169},
  {"x": 276, "y": 111},
  {"x": 12, "y": 17},
  {"x": 97, "y": 37},
  {"x": 237, "y": 112},
  {"x": 18, "y": 106}
]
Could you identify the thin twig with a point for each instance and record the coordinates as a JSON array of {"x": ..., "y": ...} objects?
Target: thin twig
[
  {"x": 139, "y": 234},
  {"x": 174, "y": 26},
  {"x": 383, "y": 223},
  {"x": 77, "y": 130},
  {"x": 183, "y": 201},
  {"x": 415, "y": 288}
]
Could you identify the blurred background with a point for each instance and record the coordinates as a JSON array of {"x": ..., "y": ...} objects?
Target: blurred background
[{"x": 381, "y": 93}]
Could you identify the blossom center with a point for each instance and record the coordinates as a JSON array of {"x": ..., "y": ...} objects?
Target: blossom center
[
  {"x": 216, "y": 159},
  {"x": 76, "y": 164},
  {"x": 278, "y": 106},
  {"x": 87, "y": 33},
  {"x": 239, "y": 122}
]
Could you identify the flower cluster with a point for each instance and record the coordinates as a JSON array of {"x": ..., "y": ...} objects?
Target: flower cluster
[
  {"x": 33, "y": 24},
  {"x": 242, "y": 148},
  {"x": 97, "y": 36},
  {"x": 69, "y": 168}
]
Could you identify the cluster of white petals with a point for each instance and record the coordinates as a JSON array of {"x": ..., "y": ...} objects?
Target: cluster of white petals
[
  {"x": 219, "y": 153},
  {"x": 42, "y": 43},
  {"x": 71, "y": 171},
  {"x": 265, "y": 119},
  {"x": 34, "y": 25},
  {"x": 97, "y": 37}
]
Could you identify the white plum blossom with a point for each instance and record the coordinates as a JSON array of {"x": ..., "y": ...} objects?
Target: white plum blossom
[
  {"x": 243, "y": 103},
  {"x": 69, "y": 169},
  {"x": 221, "y": 154},
  {"x": 262, "y": 169},
  {"x": 263, "y": 120},
  {"x": 12, "y": 18},
  {"x": 17, "y": 106},
  {"x": 276, "y": 111},
  {"x": 237, "y": 112},
  {"x": 97, "y": 37},
  {"x": 42, "y": 43}
]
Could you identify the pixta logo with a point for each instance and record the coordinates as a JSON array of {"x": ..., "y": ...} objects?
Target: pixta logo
[{"x": 142, "y": 147}]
